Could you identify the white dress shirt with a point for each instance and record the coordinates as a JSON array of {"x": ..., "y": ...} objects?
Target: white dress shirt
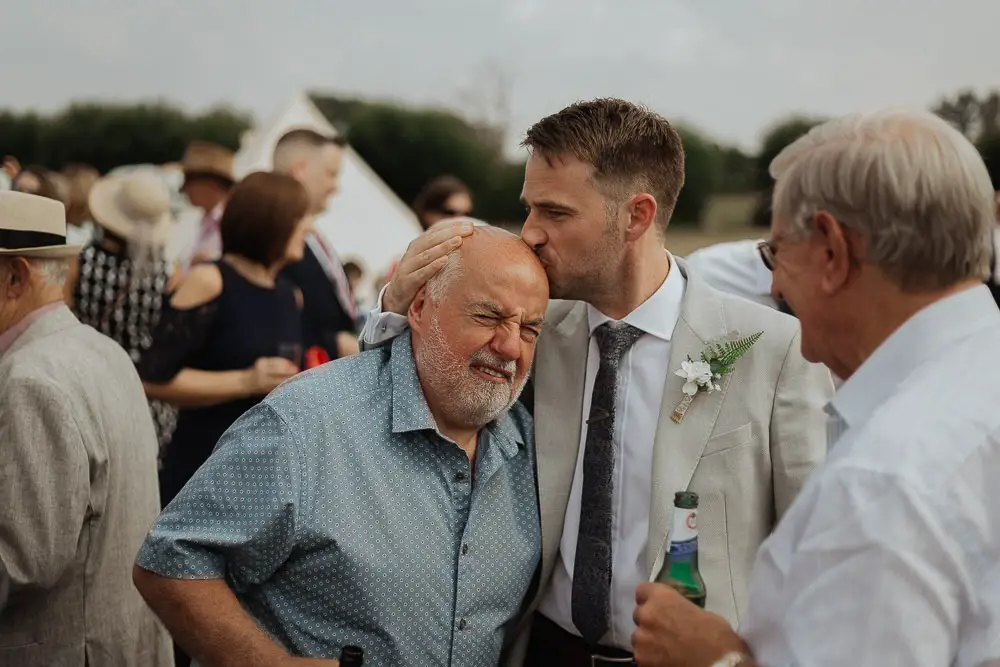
[
  {"x": 891, "y": 553},
  {"x": 734, "y": 268},
  {"x": 642, "y": 375}
]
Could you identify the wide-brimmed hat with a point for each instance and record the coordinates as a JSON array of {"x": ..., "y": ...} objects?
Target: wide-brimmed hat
[
  {"x": 131, "y": 205},
  {"x": 204, "y": 158},
  {"x": 33, "y": 226}
]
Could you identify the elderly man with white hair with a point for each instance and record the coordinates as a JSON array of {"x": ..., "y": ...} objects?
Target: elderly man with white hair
[
  {"x": 78, "y": 486},
  {"x": 891, "y": 554}
]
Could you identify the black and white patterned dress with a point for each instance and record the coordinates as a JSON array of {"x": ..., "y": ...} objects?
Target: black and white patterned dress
[{"x": 125, "y": 310}]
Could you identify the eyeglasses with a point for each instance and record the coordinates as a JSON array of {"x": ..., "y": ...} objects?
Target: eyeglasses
[{"x": 767, "y": 252}]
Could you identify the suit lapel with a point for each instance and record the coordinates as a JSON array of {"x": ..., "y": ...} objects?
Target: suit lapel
[
  {"x": 677, "y": 448},
  {"x": 560, "y": 374}
]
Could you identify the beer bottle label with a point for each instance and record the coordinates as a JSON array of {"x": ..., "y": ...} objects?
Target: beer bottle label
[{"x": 684, "y": 534}]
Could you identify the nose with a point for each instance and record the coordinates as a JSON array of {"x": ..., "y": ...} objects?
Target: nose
[
  {"x": 507, "y": 342},
  {"x": 532, "y": 234}
]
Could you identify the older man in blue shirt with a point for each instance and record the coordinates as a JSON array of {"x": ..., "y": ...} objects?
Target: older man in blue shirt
[{"x": 385, "y": 501}]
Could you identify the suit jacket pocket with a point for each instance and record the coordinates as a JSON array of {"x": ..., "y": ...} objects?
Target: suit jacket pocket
[{"x": 729, "y": 440}]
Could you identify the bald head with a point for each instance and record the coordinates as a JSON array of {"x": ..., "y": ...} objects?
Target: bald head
[
  {"x": 475, "y": 327},
  {"x": 489, "y": 250}
]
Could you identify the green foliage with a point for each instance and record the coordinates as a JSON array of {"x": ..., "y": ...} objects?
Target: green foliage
[
  {"x": 779, "y": 136},
  {"x": 703, "y": 168},
  {"x": 408, "y": 147},
  {"x": 111, "y": 135},
  {"x": 975, "y": 116},
  {"x": 723, "y": 356},
  {"x": 989, "y": 148},
  {"x": 739, "y": 170}
]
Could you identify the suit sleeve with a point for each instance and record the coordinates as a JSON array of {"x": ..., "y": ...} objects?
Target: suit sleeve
[
  {"x": 798, "y": 423},
  {"x": 44, "y": 486},
  {"x": 381, "y": 328}
]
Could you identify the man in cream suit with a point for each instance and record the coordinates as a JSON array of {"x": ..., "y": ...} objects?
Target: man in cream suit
[
  {"x": 78, "y": 481},
  {"x": 600, "y": 186}
]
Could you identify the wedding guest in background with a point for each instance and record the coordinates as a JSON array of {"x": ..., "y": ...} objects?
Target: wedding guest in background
[
  {"x": 208, "y": 179},
  {"x": 880, "y": 243},
  {"x": 78, "y": 479},
  {"x": 118, "y": 282},
  {"x": 330, "y": 315},
  {"x": 80, "y": 225},
  {"x": 443, "y": 197},
  {"x": 385, "y": 501},
  {"x": 217, "y": 349}
]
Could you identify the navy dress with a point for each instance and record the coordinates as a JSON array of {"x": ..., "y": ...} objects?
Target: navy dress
[{"x": 231, "y": 332}]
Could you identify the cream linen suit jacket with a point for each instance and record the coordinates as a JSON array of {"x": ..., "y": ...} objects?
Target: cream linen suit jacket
[
  {"x": 746, "y": 450},
  {"x": 78, "y": 491}
]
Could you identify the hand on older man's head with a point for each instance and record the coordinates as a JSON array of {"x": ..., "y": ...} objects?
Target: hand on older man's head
[{"x": 476, "y": 323}]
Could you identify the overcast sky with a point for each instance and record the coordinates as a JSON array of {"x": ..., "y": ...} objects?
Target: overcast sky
[{"x": 729, "y": 67}]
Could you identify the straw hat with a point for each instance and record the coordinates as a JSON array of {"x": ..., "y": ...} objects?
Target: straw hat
[
  {"x": 202, "y": 157},
  {"x": 33, "y": 226},
  {"x": 132, "y": 205}
]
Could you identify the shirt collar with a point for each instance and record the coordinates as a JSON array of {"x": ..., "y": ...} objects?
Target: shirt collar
[
  {"x": 658, "y": 314},
  {"x": 410, "y": 411},
  {"x": 9, "y": 337},
  {"x": 923, "y": 337}
]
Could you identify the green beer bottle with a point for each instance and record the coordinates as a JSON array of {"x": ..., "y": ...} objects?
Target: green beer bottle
[{"x": 680, "y": 566}]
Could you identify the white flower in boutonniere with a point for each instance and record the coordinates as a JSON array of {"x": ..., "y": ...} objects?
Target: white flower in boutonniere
[{"x": 704, "y": 374}]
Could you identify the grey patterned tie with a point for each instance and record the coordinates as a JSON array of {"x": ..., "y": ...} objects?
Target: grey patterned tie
[{"x": 592, "y": 568}]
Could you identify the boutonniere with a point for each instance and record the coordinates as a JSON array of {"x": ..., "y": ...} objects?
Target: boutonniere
[{"x": 704, "y": 374}]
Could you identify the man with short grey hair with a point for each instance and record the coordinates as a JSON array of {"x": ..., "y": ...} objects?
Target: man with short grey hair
[
  {"x": 78, "y": 482},
  {"x": 880, "y": 243}
]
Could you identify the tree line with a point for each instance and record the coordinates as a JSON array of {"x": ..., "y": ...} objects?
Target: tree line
[{"x": 407, "y": 146}]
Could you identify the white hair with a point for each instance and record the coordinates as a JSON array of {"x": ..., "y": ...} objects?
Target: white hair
[
  {"x": 909, "y": 183},
  {"x": 442, "y": 281},
  {"x": 53, "y": 271}
]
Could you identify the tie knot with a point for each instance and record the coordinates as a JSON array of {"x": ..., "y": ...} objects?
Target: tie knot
[{"x": 615, "y": 338}]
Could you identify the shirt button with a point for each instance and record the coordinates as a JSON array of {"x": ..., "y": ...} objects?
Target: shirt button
[
  {"x": 465, "y": 549},
  {"x": 462, "y": 624},
  {"x": 459, "y": 476}
]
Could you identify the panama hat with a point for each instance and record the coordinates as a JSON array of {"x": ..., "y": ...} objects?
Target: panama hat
[
  {"x": 202, "y": 157},
  {"x": 33, "y": 226},
  {"x": 132, "y": 205}
]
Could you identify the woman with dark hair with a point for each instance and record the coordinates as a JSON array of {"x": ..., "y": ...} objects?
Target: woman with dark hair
[
  {"x": 232, "y": 330},
  {"x": 442, "y": 198}
]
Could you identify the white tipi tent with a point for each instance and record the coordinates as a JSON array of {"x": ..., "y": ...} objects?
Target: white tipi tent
[{"x": 365, "y": 220}]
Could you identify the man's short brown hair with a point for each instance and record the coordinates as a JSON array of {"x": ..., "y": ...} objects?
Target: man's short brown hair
[
  {"x": 261, "y": 214},
  {"x": 631, "y": 149}
]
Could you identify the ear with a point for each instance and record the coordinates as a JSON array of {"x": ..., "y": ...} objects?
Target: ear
[
  {"x": 641, "y": 211},
  {"x": 16, "y": 277},
  {"x": 832, "y": 241},
  {"x": 418, "y": 311}
]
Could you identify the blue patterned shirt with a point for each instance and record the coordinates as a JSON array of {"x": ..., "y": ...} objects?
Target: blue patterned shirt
[{"x": 339, "y": 515}]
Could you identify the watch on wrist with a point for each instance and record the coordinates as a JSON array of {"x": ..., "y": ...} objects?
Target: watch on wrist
[{"x": 733, "y": 659}]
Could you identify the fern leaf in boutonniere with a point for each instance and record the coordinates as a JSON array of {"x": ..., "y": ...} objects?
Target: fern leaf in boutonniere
[{"x": 703, "y": 375}]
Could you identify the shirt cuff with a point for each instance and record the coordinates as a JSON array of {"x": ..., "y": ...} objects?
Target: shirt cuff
[
  {"x": 381, "y": 327},
  {"x": 169, "y": 558}
]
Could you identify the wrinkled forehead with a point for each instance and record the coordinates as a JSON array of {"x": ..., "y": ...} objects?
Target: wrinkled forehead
[{"x": 515, "y": 288}]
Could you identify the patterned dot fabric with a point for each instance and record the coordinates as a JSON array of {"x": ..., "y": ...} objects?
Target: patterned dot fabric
[
  {"x": 339, "y": 515},
  {"x": 126, "y": 309}
]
